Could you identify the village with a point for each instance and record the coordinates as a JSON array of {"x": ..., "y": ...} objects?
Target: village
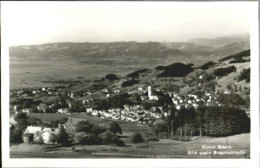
[
  {"x": 141, "y": 112},
  {"x": 128, "y": 100}
]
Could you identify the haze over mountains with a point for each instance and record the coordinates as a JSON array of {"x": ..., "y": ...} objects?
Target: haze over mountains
[{"x": 129, "y": 52}]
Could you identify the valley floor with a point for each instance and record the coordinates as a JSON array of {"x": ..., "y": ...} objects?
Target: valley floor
[{"x": 237, "y": 146}]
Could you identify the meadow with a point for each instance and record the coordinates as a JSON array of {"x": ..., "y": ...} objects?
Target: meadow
[{"x": 164, "y": 148}]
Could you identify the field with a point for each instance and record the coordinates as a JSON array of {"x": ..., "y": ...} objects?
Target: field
[
  {"x": 36, "y": 74},
  {"x": 127, "y": 127},
  {"x": 163, "y": 148}
]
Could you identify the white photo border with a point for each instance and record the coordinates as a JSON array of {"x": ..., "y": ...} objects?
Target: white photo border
[{"x": 254, "y": 136}]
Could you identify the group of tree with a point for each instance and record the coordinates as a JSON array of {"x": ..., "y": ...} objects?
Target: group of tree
[
  {"x": 23, "y": 103},
  {"x": 224, "y": 71},
  {"x": 91, "y": 134},
  {"x": 244, "y": 75},
  {"x": 129, "y": 83},
  {"x": 116, "y": 101},
  {"x": 23, "y": 120},
  {"x": 16, "y": 131},
  {"x": 111, "y": 77},
  {"x": 207, "y": 65},
  {"x": 138, "y": 72},
  {"x": 203, "y": 121},
  {"x": 238, "y": 57},
  {"x": 176, "y": 70}
]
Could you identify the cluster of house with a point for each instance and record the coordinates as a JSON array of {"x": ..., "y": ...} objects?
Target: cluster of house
[
  {"x": 46, "y": 135},
  {"x": 136, "y": 112},
  {"x": 128, "y": 113},
  {"x": 209, "y": 99},
  {"x": 51, "y": 91}
]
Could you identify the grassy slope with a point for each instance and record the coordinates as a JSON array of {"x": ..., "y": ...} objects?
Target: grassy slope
[
  {"x": 159, "y": 149},
  {"x": 229, "y": 79},
  {"x": 127, "y": 127}
]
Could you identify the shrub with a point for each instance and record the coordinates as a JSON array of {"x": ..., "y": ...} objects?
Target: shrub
[
  {"x": 84, "y": 126},
  {"x": 108, "y": 137},
  {"x": 86, "y": 138},
  {"x": 137, "y": 138},
  {"x": 38, "y": 139},
  {"x": 120, "y": 142},
  {"x": 96, "y": 129},
  {"x": 63, "y": 120},
  {"x": 115, "y": 128}
]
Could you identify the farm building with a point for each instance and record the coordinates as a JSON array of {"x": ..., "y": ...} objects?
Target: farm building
[{"x": 70, "y": 125}]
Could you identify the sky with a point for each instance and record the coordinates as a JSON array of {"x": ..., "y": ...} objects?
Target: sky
[{"x": 46, "y": 22}]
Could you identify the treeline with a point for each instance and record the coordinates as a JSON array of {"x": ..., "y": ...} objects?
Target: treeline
[
  {"x": 175, "y": 70},
  {"x": 204, "y": 121},
  {"x": 137, "y": 73},
  {"x": 207, "y": 65},
  {"x": 129, "y": 83},
  {"x": 238, "y": 58},
  {"x": 244, "y": 75},
  {"x": 224, "y": 71},
  {"x": 93, "y": 134}
]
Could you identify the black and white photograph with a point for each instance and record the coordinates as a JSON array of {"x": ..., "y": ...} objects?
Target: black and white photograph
[{"x": 128, "y": 84}]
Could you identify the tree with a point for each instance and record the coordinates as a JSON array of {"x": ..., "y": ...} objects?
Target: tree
[
  {"x": 63, "y": 120},
  {"x": 84, "y": 126},
  {"x": 96, "y": 129},
  {"x": 54, "y": 123},
  {"x": 62, "y": 137},
  {"x": 77, "y": 106},
  {"x": 231, "y": 100},
  {"x": 80, "y": 137},
  {"x": 108, "y": 137},
  {"x": 146, "y": 105},
  {"x": 200, "y": 114},
  {"x": 185, "y": 119},
  {"x": 16, "y": 135},
  {"x": 160, "y": 127},
  {"x": 115, "y": 128},
  {"x": 171, "y": 119},
  {"x": 223, "y": 121},
  {"x": 137, "y": 138},
  {"x": 22, "y": 120}
]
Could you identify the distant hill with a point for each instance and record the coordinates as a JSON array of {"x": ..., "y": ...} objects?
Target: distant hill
[
  {"x": 222, "y": 41},
  {"x": 92, "y": 52},
  {"x": 127, "y": 52}
]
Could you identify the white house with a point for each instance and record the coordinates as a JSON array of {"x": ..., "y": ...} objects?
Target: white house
[
  {"x": 89, "y": 110},
  {"x": 48, "y": 137},
  {"x": 32, "y": 129},
  {"x": 178, "y": 107},
  {"x": 63, "y": 110}
]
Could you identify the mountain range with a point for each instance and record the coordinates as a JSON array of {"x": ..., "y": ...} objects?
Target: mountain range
[{"x": 107, "y": 53}]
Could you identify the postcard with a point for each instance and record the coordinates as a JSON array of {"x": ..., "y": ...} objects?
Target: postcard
[{"x": 130, "y": 84}]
